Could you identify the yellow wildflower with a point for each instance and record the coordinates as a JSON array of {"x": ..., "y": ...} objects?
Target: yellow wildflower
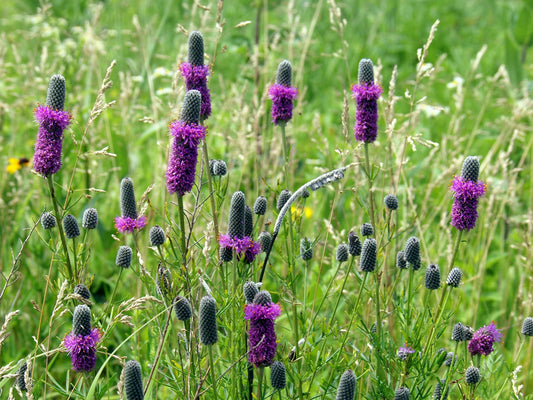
[{"x": 15, "y": 164}]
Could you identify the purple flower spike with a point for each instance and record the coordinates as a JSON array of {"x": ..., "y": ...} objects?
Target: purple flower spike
[
  {"x": 483, "y": 340},
  {"x": 196, "y": 78},
  {"x": 127, "y": 224},
  {"x": 366, "y": 117},
  {"x": 466, "y": 197},
  {"x": 282, "y": 98},
  {"x": 261, "y": 336},
  {"x": 245, "y": 249},
  {"x": 47, "y": 158},
  {"x": 82, "y": 350}
]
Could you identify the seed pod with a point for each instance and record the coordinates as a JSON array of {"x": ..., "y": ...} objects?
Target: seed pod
[
  {"x": 354, "y": 244},
  {"x": 207, "y": 324},
  {"x": 400, "y": 260},
  {"x": 195, "y": 54},
  {"x": 182, "y": 308},
  {"x": 277, "y": 375},
  {"x": 527, "y": 327},
  {"x": 458, "y": 332},
  {"x": 81, "y": 320},
  {"x": 48, "y": 221},
  {"x": 391, "y": 202},
  {"x": 284, "y": 196},
  {"x": 90, "y": 218},
  {"x": 265, "y": 240},
  {"x": 412, "y": 252},
  {"x": 220, "y": 168},
  {"x": 306, "y": 251},
  {"x": 470, "y": 170},
  {"x": 133, "y": 382},
  {"x": 260, "y": 205},
  {"x": 432, "y": 278},
  {"x": 236, "y": 215},
  {"x": 124, "y": 255},
  {"x": 128, "y": 206},
  {"x": 472, "y": 376},
  {"x": 55, "y": 96},
  {"x": 342, "y": 253},
  {"x": 284, "y": 73},
  {"x": 156, "y": 235},
  {"x": 367, "y": 229},
  {"x": 366, "y": 71},
  {"x": 369, "y": 255},
  {"x": 454, "y": 277},
  {"x": 347, "y": 384},
  {"x": 82, "y": 291},
  {"x": 192, "y": 104},
  {"x": 402, "y": 393},
  {"x": 250, "y": 290},
  {"x": 71, "y": 227}
]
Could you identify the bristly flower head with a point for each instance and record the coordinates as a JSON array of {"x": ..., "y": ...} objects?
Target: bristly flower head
[
  {"x": 366, "y": 94},
  {"x": 402, "y": 393},
  {"x": 391, "y": 202},
  {"x": 156, "y": 236},
  {"x": 454, "y": 277},
  {"x": 81, "y": 342},
  {"x": 71, "y": 227},
  {"x": 412, "y": 252},
  {"x": 282, "y": 94},
  {"x": 347, "y": 385},
  {"x": 278, "y": 379},
  {"x": 52, "y": 122},
  {"x": 432, "y": 277},
  {"x": 527, "y": 327},
  {"x": 467, "y": 191},
  {"x": 342, "y": 252},
  {"x": 354, "y": 244},
  {"x": 195, "y": 72},
  {"x": 207, "y": 321},
  {"x": 48, "y": 221},
  {"x": 187, "y": 133},
  {"x": 133, "y": 382},
  {"x": 306, "y": 249},
  {"x": 129, "y": 220},
  {"x": 182, "y": 308},
  {"x": 90, "y": 218},
  {"x": 483, "y": 340},
  {"x": 369, "y": 255},
  {"x": 404, "y": 352},
  {"x": 262, "y": 336},
  {"x": 472, "y": 375}
]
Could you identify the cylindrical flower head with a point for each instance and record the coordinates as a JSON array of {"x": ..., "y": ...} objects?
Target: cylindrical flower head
[
  {"x": 366, "y": 94},
  {"x": 183, "y": 156},
  {"x": 226, "y": 254},
  {"x": 260, "y": 205},
  {"x": 90, "y": 218},
  {"x": 156, "y": 235},
  {"x": 284, "y": 73},
  {"x": 182, "y": 308},
  {"x": 458, "y": 332},
  {"x": 220, "y": 168},
  {"x": 454, "y": 277},
  {"x": 248, "y": 221},
  {"x": 133, "y": 381},
  {"x": 55, "y": 96},
  {"x": 250, "y": 290},
  {"x": 366, "y": 71},
  {"x": 354, "y": 244},
  {"x": 128, "y": 206},
  {"x": 71, "y": 227},
  {"x": 402, "y": 393},
  {"x": 192, "y": 104},
  {"x": 207, "y": 324},
  {"x": 432, "y": 278},
  {"x": 401, "y": 262},
  {"x": 278, "y": 379},
  {"x": 369, "y": 255},
  {"x": 412, "y": 252},
  {"x": 265, "y": 240},
  {"x": 211, "y": 166},
  {"x": 450, "y": 358},
  {"x": 472, "y": 376},
  {"x": 284, "y": 196},
  {"x": 82, "y": 291},
  {"x": 163, "y": 281},
  {"x": 470, "y": 170},
  {"x": 437, "y": 394},
  {"x": 195, "y": 55},
  {"x": 48, "y": 221},
  {"x": 367, "y": 229},
  {"x": 306, "y": 249},
  {"x": 124, "y": 256},
  {"x": 20, "y": 380},
  {"x": 81, "y": 320},
  {"x": 527, "y": 327},
  {"x": 263, "y": 298},
  {"x": 236, "y": 215},
  {"x": 342, "y": 252},
  {"x": 391, "y": 202},
  {"x": 346, "y": 389}
]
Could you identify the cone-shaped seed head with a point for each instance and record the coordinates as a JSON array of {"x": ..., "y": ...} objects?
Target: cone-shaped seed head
[
  {"x": 400, "y": 260},
  {"x": 391, "y": 202},
  {"x": 366, "y": 71},
  {"x": 470, "y": 171},
  {"x": 278, "y": 379},
  {"x": 450, "y": 357},
  {"x": 250, "y": 290},
  {"x": 71, "y": 227},
  {"x": 369, "y": 255},
  {"x": 412, "y": 252},
  {"x": 248, "y": 221},
  {"x": 454, "y": 277},
  {"x": 128, "y": 206},
  {"x": 156, "y": 235},
  {"x": 402, "y": 393},
  {"x": 472, "y": 375},
  {"x": 48, "y": 221},
  {"x": 306, "y": 249},
  {"x": 55, "y": 96},
  {"x": 265, "y": 240},
  {"x": 90, "y": 218},
  {"x": 527, "y": 327},
  {"x": 133, "y": 381},
  {"x": 263, "y": 298},
  {"x": 236, "y": 215},
  {"x": 458, "y": 332},
  {"x": 81, "y": 320},
  {"x": 226, "y": 254},
  {"x": 20, "y": 380},
  {"x": 192, "y": 103},
  {"x": 282, "y": 199},
  {"x": 284, "y": 74},
  {"x": 124, "y": 255},
  {"x": 432, "y": 278},
  {"x": 83, "y": 291},
  {"x": 260, "y": 205},
  {"x": 220, "y": 168},
  {"x": 163, "y": 281},
  {"x": 346, "y": 389},
  {"x": 207, "y": 324},
  {"x": 437, "y": 394},
  {"x": 196, "y": 48},
  {"x": 342, "y": 253},
  {"x": 367, "y": 229},
  {"x": 354, "y": 244},
  {"x": 182, "y": 308}
]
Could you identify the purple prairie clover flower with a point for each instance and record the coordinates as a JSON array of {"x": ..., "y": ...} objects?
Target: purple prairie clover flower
[
  {"x": 196, "y": 78},
  {"x": 282, "y": 98},
  {"x": 127, "y": 224},
  {"x": 129, "y": 219},
  {"x": 366, "y": 116},
  {"x": 261, "y": 336},
  {"x": 403, "y": 352},
  {"x": 466, "y": 197},
  {"x": 49, "y": 144},
  {"x": 245, "y": 248},
  {"x": 483, "y": 340},
  {"x": 82, "y": 350}
]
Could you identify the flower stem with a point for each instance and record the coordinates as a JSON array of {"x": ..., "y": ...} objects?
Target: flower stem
[
  {"x": 370, "y": 184},
  {"x": 182, "y": 229},
  {"x": 60, "y": 226},
  {"x": 212, "y": 370},
  {"x": 379, "y": 367},
  {"x": 211, "y": 191},
  {"x": 260, "y": 373},
  {"x": 285, "y": 153}
]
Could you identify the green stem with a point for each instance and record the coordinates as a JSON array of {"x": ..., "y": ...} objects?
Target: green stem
[
  {"x": 297, "y": 352},
  {"x": 182, "y": 229},
  {"x": 260, "y": 373},
  {"x": 212, "y": 370},
  {"x": 211, "y": 191},
  {"x": 285, "y": 154},
  {"x": 370, "y": 184},
  {"x": 75, "y": 257},
  {"x": 60, "y": 226},
  {"x": 379, "y": 366}
]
